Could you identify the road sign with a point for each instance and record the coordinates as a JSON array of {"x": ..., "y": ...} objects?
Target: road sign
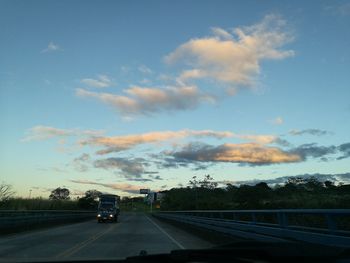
[{"x": 144, "y": 191}]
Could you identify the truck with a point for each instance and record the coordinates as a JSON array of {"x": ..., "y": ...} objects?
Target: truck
[{"x": 108, "y": 208}]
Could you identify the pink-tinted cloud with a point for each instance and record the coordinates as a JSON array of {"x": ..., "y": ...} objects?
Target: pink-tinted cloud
[
  {"x": 120, "y": 143},
  {"x": 145, "y": 100},
  {"x": 234, "y": 57},
  {"x": 123, "y": 187}
]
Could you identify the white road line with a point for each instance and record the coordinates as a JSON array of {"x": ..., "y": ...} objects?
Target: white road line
[{"x": 165, "y": 233}]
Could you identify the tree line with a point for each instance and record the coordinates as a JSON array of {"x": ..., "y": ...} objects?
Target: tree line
[
  {"x": 202, "y": 194},
  {"x": 295, "y": 193},
  {"x": 60, "y": 199}
]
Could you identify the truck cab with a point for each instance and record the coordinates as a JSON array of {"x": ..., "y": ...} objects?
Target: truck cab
[{"x": 108, "y": 208}]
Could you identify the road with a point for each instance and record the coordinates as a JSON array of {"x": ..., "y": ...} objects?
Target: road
[{"x": 89, "y": 240}]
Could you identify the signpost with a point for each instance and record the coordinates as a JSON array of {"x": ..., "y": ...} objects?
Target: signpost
[
  {"x": 146, "y": 192},
  {"x": 151, "y": 196}
]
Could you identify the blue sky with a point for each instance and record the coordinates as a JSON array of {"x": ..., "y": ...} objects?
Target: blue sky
[{"x": 118, "y": 95}]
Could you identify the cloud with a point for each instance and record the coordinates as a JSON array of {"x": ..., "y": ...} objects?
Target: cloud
[
  {"x": 144, "y": 69},
  {"x": 316, "y": 132},
  {"x": 221, "y": 33},
  {"x": 39, "y": 133},
  {"x": 342, "y": 9},
  {"x": 121, "y": 143},
  {"x": 144, "y": 101},
  {"x": 277, "y": 121},
  {"x": 102, "y": 81},
  {"x": 80, "y": 163},
  {"x": 262, "y": 139},
  {"x": 246, "y": 153},
  {"x": 129, "y": 167},
  {"x": 190, "y": 74},
  {"x": 313, "y": 150},
  {"x": 132, "y": 169},
  {"x": 230, "y": 57},
  {"x": 155, "y": 177},
  {"x": 124, "y": 187},
  {"x": 234, "y": 58},
  {"x": 345, "y": 150},
  {"x": 52, "y": 47}
]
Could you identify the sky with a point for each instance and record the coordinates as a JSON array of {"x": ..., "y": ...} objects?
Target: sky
[{"x": 123, "y": 95}]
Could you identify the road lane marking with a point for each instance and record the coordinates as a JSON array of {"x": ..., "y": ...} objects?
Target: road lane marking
[
  {"x": 79, "y": 246},
  {"x": 35, "y": 232},
  {"x": 165, "y": 233}
]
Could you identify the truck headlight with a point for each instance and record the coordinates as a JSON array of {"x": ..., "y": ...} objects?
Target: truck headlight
[
  {"x": 110, "y": 215},
  {"x": 98, "y": 215}
]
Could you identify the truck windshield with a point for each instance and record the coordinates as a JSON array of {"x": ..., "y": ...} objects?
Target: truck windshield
[{"x": 106, "y": 206}]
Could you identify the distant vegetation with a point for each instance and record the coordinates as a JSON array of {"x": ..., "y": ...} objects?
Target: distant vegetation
[
  {"x": 6, "y": 192},
  {"x": 200, "y": 194},
  {"x": 38, "y": 204},
  {"x": 295, "y": 193},
  {"x": 135, "y": 204},
  {"x": 59, "y": 199}
]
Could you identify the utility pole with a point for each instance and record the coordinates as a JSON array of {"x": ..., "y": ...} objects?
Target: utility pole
[{"x": 30, "y": 193}]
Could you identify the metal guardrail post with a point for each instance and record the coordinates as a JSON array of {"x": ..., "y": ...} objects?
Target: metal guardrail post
[
  {"x": 331, "y": 222},
  {"x": 282, "y": 219},
  {"x": 234, "y": 216},
  {"x": 253, "y": 218}
]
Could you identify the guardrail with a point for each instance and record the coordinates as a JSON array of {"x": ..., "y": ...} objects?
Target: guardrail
[
  {"x": 12, "y": 221},
  {"x": 321, "y": 226}
]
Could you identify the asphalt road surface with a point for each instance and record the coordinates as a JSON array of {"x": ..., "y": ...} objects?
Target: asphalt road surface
[{"x": 89, "y": 240}]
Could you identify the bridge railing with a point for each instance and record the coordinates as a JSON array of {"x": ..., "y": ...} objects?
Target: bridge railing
[
  {"x": 12, "y": 221},
  {"x": 324, "y": 226}
]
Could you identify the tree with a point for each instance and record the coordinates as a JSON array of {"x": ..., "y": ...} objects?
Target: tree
[
  {"x": 329, "y": 184},
  {"x": 208, "y": 183},
  {"x": 89, "y": 201},
  {"x": 6, "y": 192},
  {"x": 312, "y": 184},
  {"x": 59, "y": 194},
  {"x": 94, "y": 194},
  {"x": 194, "y": 182}
]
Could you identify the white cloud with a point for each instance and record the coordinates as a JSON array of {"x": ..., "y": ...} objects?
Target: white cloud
[
  {"x": 230, "y": 57},
  {"x": 221, "y": 33},
  {"x": 102, "y": 81},
  {"x": 277, "y": 121},
  {"x": 51, "y": 47},
  {"x": 38, "y": 133},
  {"x": 144, "y": 69},
  {"x": 144, "y": 100},
  {"x": 261, "y": 139},
  {"x": 342, "y": 9},
  {"x": 235, "y": 58},
  {"x": 121, "y": 143}
]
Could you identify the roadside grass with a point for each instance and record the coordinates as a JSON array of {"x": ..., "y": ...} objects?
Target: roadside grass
[{"x": 23, "y": 204}]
